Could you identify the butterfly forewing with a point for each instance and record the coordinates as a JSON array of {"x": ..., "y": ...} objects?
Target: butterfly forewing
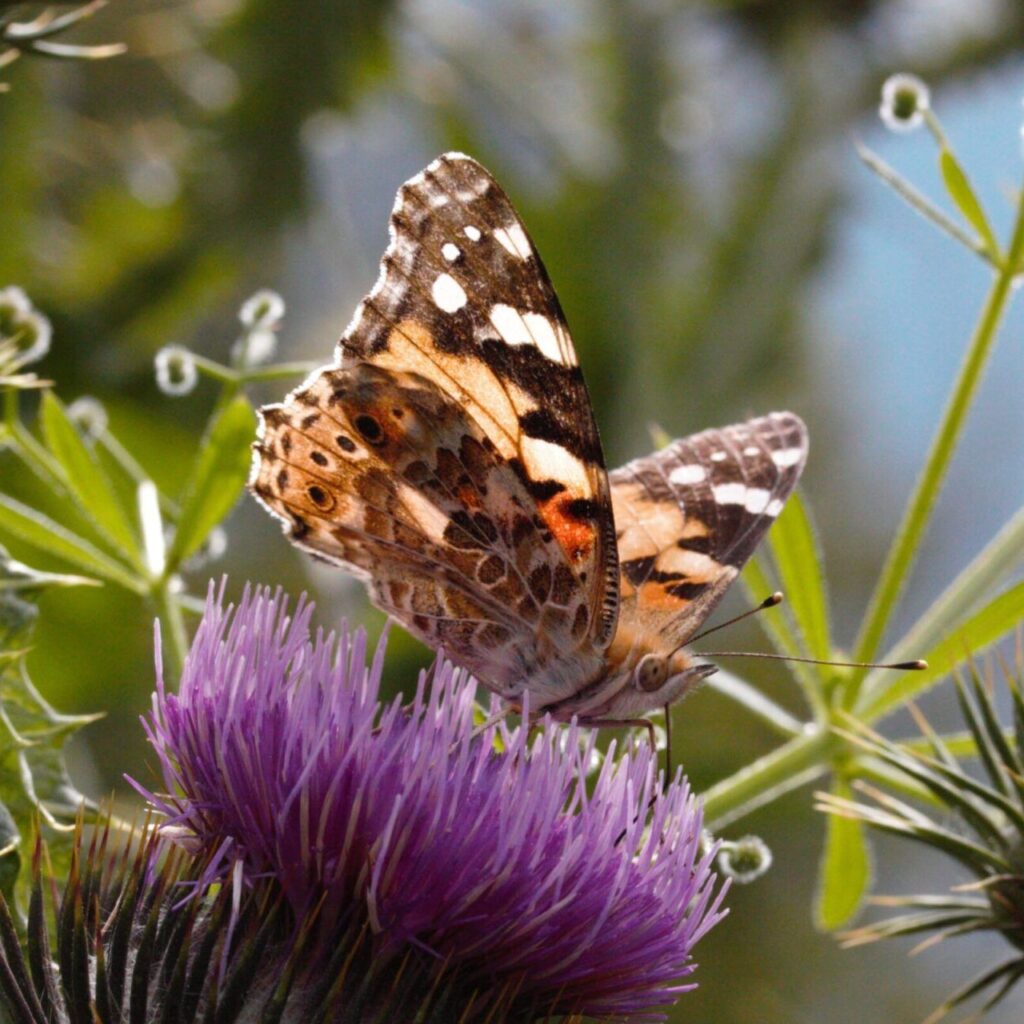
[{"x": 452, "y": 456}]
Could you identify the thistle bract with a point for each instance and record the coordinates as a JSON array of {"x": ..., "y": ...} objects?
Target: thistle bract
[{"x": 496, "y": 858}]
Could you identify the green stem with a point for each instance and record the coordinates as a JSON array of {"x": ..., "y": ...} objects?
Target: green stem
[
  {"x": 170, "y": 614},
  {"x": 769, "y": 777},
  {"x": 740, "y": 691},
  {"x": 213, "y": 369},
  {"x": 278, "y": 370},
  {"x": 919, "y": 509}
]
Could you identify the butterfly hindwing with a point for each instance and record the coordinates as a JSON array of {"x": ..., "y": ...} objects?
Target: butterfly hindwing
[{"x": 690, "y": 515}]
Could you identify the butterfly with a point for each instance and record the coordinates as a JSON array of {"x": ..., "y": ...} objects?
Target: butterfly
[{"x": 450, "y": 459}]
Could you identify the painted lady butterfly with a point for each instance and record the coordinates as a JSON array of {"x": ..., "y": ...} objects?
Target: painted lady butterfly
[{"x": 450, "y": 459}]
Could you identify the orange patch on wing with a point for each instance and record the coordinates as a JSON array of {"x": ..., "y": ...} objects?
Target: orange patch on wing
[
  {"x": 694, "y": 528},
  {"x": 654, "y": 595},
  {"x": 469, "y": 496},
  {"x": 575, "y": 536}
]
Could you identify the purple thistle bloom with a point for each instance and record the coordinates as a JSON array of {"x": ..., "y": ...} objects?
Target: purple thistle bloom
[{"x": 504, "y": 865}]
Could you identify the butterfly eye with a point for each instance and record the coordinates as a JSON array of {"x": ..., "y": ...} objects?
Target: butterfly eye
[{"x": 652, "y": 672}]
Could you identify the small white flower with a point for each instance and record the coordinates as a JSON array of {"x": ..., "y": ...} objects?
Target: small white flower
[
  {"x": 25, "y": 328},
  {"x": 33, "y": 337},
  {"x": 176, "y": 372},
  {"x": 905, "y": 100},
  {"x": 254, "y": 347},
  {"x": 14, "y": 301},
  {"x": 88, "y": 414},
  {"x": 744, "y": 860},
  {"x": 263, "y": 309}
]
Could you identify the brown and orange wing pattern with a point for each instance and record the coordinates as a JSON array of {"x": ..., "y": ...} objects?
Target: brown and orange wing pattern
[
  {"x": 687, "y": 518},
  {"x": 451, "y": 457}
]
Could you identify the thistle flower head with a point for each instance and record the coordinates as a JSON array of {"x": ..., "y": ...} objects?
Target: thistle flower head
[
  {"x": 506, "y": 867},
  {"x": 987, "y": 839}
]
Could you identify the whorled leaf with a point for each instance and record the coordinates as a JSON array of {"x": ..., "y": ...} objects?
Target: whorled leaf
[
  {"x": 844, "y": 875},
  {"x": 975, "y": 818},
  {"x": 216, "y": 480},
  {"x": 34, "y": 783}
]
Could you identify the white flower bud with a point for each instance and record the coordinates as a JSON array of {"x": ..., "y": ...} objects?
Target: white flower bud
[
  {"x": 176, "y": 372},
  {"x": 263, "y": 309},
  {"x": 26, "y": 327},
  {"x": 88, "y": 414},
  {"x": 744, "y": 860},
  {"x": 905, "y": 99}
]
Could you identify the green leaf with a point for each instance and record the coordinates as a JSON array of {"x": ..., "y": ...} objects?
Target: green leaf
[
  {"x": 10, "y": 857},
  {"x": 18, "y": 578},
  {"x": 34, "y": 782},
  {"x": 759, "y": 583},
  {"x": 794, "y": 548},
  {"x": 987, "y": 570},
  {"x": 845, "y": 870},
  {"x": 87, "y": 479},
  {"x": 999, "y": 617},
  {"x": 31, "y": 526},
  {"x": 919, "y": 202},
  {"x": 958, "y": 186},
  {"x": 740, "y": 691},
  {"x": 217, "y": 479}
]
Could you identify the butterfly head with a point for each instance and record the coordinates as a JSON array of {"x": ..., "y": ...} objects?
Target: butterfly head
[
  {"x": 660, "y": 679},
  {"x": 641, "y": 682}
]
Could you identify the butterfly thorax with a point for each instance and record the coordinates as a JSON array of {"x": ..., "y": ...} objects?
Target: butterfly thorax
[{"x": 636, "y": 678}]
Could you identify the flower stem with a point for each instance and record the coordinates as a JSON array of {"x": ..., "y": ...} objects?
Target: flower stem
[
  {"x": 170, "y": 614},
  {"x": 785, "y": 768},
  {"x": 919, "y": 509}
]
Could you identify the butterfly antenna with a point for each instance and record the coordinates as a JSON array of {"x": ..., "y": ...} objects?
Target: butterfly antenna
[
  {"x": 769, "y": 602},
  {"x": 918, "y": 665}
]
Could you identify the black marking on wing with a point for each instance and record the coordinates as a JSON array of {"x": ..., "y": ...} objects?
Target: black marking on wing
[{"x": 729, "y": 485}]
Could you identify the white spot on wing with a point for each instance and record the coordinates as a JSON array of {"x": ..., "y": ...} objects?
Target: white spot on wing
[
  {"x": 718, "y": 456},
  {"x": 751, "y": 450},
  {"x": 773, "y": 508},
  {"x": 757, "y": 500},
  {"x": 450, "y": 252},
  {"x": 730, "y": 494},
  {"x": 684, "y": 475},
  {"x": 787, "y": 457},
  {"x": 448, "y": 293},
  {"x": 509, "y": 323},
  {"x": 547, "y": 461},
  {"x": 471, "y": 232},
  {"x": 544, "y": 335},
  {"x": 513, "y": 240},
  {"x": 535, "y": 329},
  {"x": 430, "y": 519}
]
